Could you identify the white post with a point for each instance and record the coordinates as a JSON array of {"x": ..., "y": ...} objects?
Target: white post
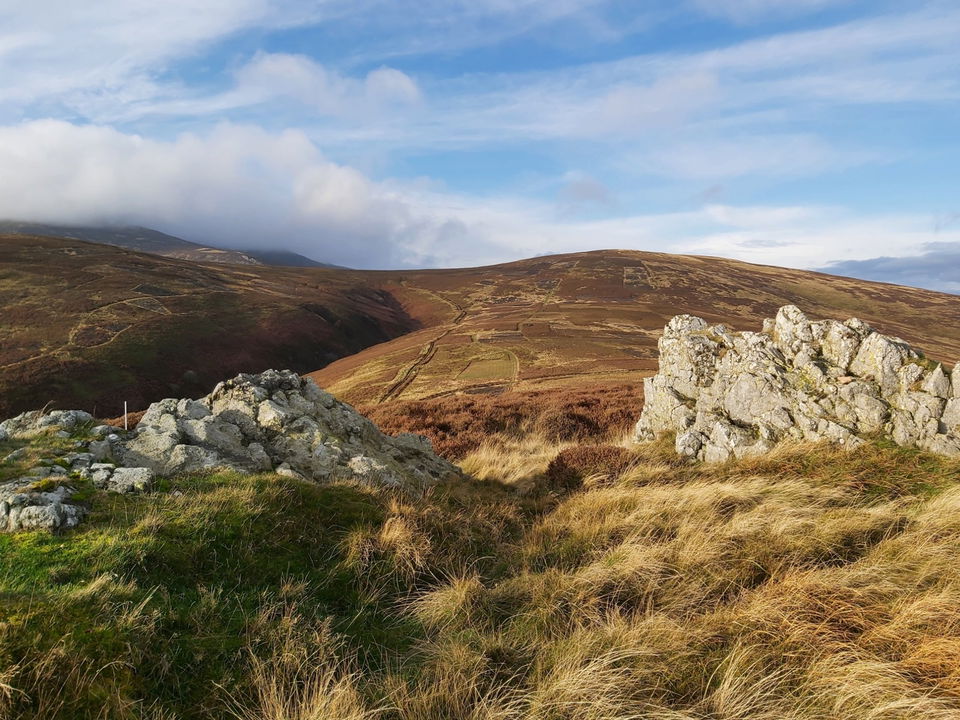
[{"x": 125, "y": 415}]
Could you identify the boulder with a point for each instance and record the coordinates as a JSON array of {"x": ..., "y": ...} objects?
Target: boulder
[
  {"x": 125, "y": 480},
  {"x": 34, "y": 422},
  {"x": 729, "y": 395}
]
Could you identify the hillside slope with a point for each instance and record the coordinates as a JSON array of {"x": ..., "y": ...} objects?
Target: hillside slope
[
  {"x": 141, "y": 239},
  {"x": 89, "y": 326},
  {"x": 588, "y": 318},
  {"x": 815, "y": 583}
]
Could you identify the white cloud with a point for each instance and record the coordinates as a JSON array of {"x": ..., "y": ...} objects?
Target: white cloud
[
  {"x": 241, "y": 186},
  {"x": 290, "y": 82},
  {"x": 773, "y": 88},
  {"x": 62, "y": 47},
  {"x": 81, "y": 55},
  {"x": 236, "y": 185},
  {"x": 750, "y": 11},
  {"x": 756, "y": 155}
]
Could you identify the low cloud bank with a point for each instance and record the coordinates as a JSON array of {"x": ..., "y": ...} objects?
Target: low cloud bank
[{"x": 937, "y": 268}]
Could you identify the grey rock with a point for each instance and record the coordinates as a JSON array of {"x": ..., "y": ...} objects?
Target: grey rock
[
  {"x": 100, "y": 450},
  {"x": 100, "y": 474},
  {"x": 689, "y": 443},
  {"x": 15, "y": 455},
  {"x": 255, "y": 422},
  {"x": 34, "y": 422},
  {"x": 24, "y": 508},
  {"x": 937, "y": 384},
  {"x": 730, "y": 395},
  {"x": 879, "y": 359},
  {"x": 951, "y": 416},
  {"x": 130, "y": 479},
  {"x": 284, "y": 470},
  {"x": 840, "y": 344},
  {"x": 79, "y": 461},
  {"x": 942, "y": 444}
]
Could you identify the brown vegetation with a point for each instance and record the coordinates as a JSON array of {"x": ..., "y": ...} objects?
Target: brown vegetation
[
  {"x": 590, "y": 319},
  {"x": 572, "y": 466},
  {"x": 88, "y": 326},
  {"x": 459, "y": 424}
]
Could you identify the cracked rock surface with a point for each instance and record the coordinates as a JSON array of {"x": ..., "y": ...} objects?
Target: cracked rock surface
[
  {"x": 278, "y": 420},
  {"x": 733, "y": 394}
]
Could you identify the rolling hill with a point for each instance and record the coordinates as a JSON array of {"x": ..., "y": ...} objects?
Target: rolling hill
[
  {"x": 569, "y": 320},
  {"x": 89, "y": 326},
  {"x": 155, "y": 242}
]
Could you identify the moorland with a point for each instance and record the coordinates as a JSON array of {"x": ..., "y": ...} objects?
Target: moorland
[{"x": 569, "y": 573}]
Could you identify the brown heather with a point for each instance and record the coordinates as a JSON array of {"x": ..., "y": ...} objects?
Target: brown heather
[
  {"x": 571, "y": 467},
  {"x": 460, "y": 424}
]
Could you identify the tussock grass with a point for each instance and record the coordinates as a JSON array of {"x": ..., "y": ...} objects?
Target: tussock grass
[{"x": 810, "y": 584}]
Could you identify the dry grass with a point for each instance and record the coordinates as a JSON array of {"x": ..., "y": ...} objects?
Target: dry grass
[{"x": 813, "y": 584}]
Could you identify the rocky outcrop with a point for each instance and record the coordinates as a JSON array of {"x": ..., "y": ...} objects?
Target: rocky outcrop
[
  {"x": 35, "y": 422},
  {"x": 277, "y": 421},
  {"x": 732, "y": 394},
  {"x": 26, "y": 505}
]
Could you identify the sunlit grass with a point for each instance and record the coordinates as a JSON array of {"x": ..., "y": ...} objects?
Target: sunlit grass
[{"x": 812, "y": 583}]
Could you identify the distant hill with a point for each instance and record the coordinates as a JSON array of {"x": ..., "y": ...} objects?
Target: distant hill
[
  {"x": 561, "y": 322},
  {"x": 146, "y": 240},
  {"x": 285, "y": 258},
  {"x": 90, "y": 325}
]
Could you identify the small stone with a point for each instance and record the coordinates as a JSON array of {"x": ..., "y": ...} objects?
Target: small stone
[
  {"x": 101, "y": 450},
  {"x": 15, "y": 455},
  {"x": 284, "y": 470}
]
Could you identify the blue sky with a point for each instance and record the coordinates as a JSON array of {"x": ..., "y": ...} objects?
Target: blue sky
[{"x": 805, "y": 133}]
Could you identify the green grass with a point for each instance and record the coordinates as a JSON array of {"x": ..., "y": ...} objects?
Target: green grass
[{"x": 169, "y": 583}]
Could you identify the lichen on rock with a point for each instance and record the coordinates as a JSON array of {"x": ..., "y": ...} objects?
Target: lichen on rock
[{"x": 730, "y": 394}]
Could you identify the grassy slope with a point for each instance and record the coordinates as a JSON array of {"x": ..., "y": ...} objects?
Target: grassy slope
[{"x": 810, "y": 584}]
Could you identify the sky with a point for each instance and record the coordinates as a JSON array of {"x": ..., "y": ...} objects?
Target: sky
[{"x": 430, "y": 133}]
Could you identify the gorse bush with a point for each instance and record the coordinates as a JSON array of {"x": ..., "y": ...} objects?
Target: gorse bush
[{"x": 808, "y": 584}]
